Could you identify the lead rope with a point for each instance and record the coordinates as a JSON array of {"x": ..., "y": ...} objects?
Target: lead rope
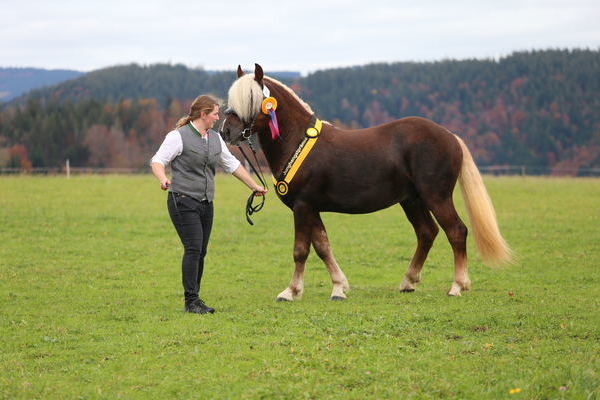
[{"x": 251, "y": 208}]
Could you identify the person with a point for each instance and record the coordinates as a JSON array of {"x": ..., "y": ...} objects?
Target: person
[{"x": 193, "y": 150}]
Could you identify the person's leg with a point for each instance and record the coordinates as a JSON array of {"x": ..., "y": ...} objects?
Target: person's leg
[
  {"x": 187, "y": 222},
  {"x": 206, "y": 212}
]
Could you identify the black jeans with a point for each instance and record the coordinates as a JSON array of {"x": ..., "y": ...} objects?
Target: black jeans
[{"x": 193, "y": 222}]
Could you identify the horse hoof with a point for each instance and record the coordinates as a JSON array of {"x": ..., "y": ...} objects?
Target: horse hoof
[
  {"x": 279, "y": 299},
  {"x": 337, "y": 298},
  {"x": 454, "y": 290}
]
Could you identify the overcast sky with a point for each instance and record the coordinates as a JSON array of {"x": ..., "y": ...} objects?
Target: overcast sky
[{"x": 301, "y": 35}]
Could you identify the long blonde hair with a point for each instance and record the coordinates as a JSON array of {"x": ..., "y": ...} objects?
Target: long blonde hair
[
  {"x": 202, "y": 103},
  {"x": 245, "y": 96}
]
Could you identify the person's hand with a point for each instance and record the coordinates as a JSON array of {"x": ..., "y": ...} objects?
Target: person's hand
[
  {"x": 164, "y": 185},
  {"x": 260, "y": 191}
]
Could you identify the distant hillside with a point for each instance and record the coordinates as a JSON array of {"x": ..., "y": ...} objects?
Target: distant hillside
[
  {"x": 17, "y": 81},
  {"x": 162, "y": 82},
  {"x": 539, "y": 109}
]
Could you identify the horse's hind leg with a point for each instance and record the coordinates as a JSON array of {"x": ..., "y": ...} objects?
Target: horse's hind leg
[
  {"x": 426, "y": 230},
  {"x": 456, "y": 231},
  {"x": 322, "y": 247}
]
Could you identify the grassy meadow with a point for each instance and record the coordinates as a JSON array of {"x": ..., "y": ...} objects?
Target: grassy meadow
[{"x": 91, "y": 304}]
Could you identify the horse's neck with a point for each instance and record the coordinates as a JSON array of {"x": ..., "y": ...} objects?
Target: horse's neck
[{"x": 280, "y": 150}]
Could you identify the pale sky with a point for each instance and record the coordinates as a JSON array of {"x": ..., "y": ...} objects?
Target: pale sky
[{"x": 301, "y": 35}]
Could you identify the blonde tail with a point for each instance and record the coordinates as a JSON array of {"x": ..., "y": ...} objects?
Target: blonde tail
[{"x": 491, "y": 245}]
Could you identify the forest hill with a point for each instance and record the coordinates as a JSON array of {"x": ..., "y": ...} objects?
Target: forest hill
[{"x": 538, "y": 108}]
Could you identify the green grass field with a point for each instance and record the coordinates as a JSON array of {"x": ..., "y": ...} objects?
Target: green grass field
[{"x": 91, "y": 303}]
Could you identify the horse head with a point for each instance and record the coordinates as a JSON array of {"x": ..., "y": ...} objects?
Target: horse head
[
  {"x": 261, "y": 105},
  {"x": 244, "y": 105},
  {"x": 231, "y": 127}
]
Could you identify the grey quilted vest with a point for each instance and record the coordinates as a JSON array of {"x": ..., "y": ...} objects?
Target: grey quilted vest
[{"x": 193, "y": 171}]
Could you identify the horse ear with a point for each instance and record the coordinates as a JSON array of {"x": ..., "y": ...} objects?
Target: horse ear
[
  {"x": 240, "y": 71},
  {"x": 258, "y": 73}
]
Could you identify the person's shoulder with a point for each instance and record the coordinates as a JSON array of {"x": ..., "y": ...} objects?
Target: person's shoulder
[
  {"x": 173, "y": 137},
  {"x": 174, "y": 133}
]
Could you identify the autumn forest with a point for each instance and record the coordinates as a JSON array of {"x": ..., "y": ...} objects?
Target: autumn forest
[{"x": 537, "y": 109}]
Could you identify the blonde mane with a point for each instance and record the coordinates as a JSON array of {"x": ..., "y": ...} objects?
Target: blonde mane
[{"x": 246, "y": 96}]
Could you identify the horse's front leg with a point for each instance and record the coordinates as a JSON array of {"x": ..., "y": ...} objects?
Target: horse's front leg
[
  {"x": 321, "y": 244},
  {"x": 303, "y": 220}
]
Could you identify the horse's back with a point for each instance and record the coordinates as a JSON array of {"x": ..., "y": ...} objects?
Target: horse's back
[
  {"x": 368, "y": 169},
  {"x": 414, "y": 141},
  {"x": 409, "y": 130}
]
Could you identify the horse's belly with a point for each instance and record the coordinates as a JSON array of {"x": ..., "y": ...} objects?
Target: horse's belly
[{"x": 361, "y": 201}]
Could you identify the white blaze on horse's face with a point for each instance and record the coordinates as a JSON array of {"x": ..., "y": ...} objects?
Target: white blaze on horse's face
[{"x": 245, "y": 97}]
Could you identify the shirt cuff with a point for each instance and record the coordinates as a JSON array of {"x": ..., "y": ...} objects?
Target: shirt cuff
[
  {"x": 157, "y": 160},
  {"x": 234, "y": 166}
]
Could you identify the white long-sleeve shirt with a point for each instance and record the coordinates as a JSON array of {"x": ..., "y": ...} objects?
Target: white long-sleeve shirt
[{"x": 172, "y": 146}]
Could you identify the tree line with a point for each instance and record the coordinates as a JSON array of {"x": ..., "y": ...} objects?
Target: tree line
[{"x": 538, "y": 108}]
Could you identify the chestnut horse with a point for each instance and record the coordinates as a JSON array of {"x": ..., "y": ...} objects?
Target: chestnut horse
[{"x": 411, "y": 161}]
